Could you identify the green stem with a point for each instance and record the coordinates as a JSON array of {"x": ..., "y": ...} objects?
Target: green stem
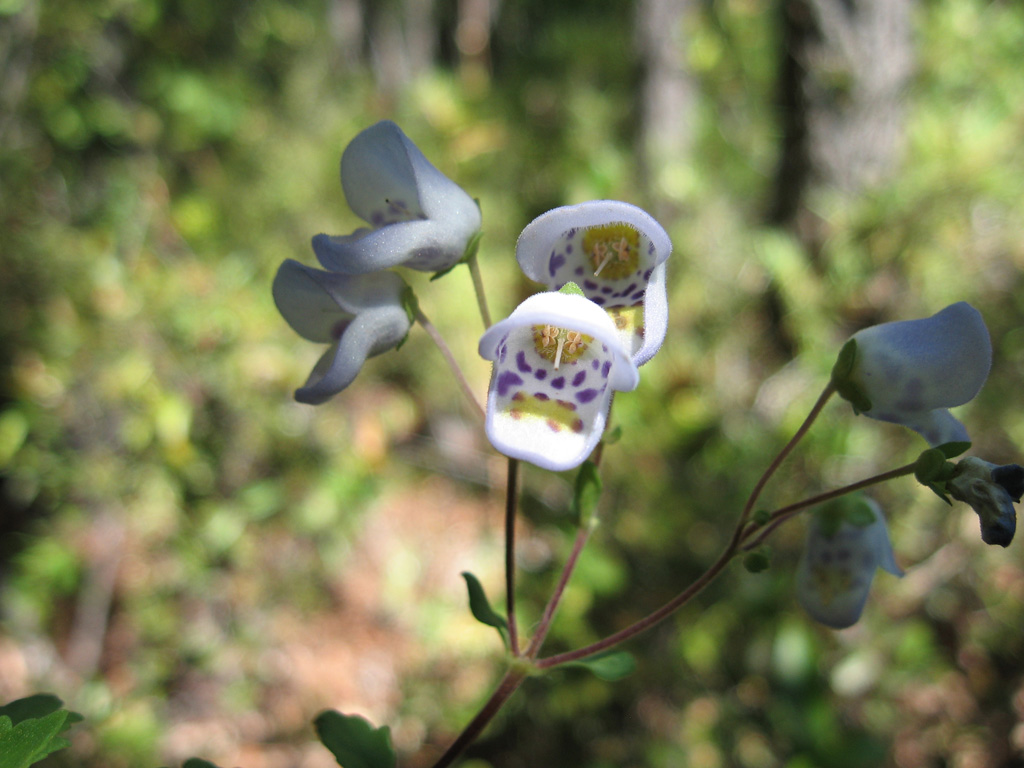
[
  {"x": 511, "y": 499},
  {"x": 478, "y": 288},
  {"x": 460, "y": 378}
]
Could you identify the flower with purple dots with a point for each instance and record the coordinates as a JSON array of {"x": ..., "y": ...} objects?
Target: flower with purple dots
[
  {"x": 359, "y": 316},
  {"x": 615, "y": 253},
  {"x": 418, "y": 217},
  {"x": 845, "y": 545},
  {"x": 557, "y": 360}
]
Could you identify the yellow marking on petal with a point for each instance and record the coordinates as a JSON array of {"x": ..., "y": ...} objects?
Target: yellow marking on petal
[
  {"x": 613, "y": 249},
  {"x": 556, "y": 414},
  {"x": 630, "y": 319}
]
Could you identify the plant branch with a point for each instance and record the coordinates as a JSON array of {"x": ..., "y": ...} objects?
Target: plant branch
[
  {"x": 582, "y": 535},
  {"x": 460, "y": 378},
  {"x": 781, "y": 515},
  {"x": 512, "y": 680},
  {"x": 478, "y": 289},
  {"x": 816, "y": 410},
  {"x": 511, "y": 502}
]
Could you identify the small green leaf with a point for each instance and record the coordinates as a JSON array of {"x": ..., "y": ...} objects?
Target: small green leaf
[
  {"x": 613, "y": 435},
  {"x": 354, "y": 742},
  {"x": 471, "y": 249},
  {"x": 587, "y": 493},
  {"x": 951, "y": 450},
  {"x": 32, "y": 739},
  {"x": 929, "y": 466},
  {"x": 762, "y": 517},
  {"x": 481, "y": 607},
  {"x": 756, "y": 562},
  {"x": 610, "y": 665},
  {"x": 842, "y": 379},
  {"x": 858, "y": 512},
  {"x": 571, "y": 289}
]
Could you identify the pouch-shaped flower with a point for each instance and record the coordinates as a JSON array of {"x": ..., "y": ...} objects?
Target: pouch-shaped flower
[
  {"x": 357, "y": 315},
  {"x": 615, "y": 252},
  {"x": 418, "y": 217},
  {"x": 912, "y": 371},
  {"x": 991, "y": 491},
  {"x": 557, "y": 360},
  {"x": 839, "y": 563}
]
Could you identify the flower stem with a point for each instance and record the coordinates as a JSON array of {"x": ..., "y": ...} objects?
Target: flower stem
[
  {"x": 781, "y": 515},
  {"x": 512, "y": 680},
  {"x": 511, "y": 502},
  {"x": 582, "y": 535},
  {"x": 460, "y": 378},
  {"x": 823, "y": 398},
  {"x": 478, "y": 289}
]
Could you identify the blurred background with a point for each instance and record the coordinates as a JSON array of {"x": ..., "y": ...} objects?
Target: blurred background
[{"x": 199, "y": 565}]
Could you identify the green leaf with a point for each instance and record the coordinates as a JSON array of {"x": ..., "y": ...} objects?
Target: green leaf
[
  {"x": 32, "y": 739},
  {"x": 571, "y": 289},
  {"x": 756, "y": 562},
  {"x": 951, "y": 450},
  {"x": 481, "y": 607},
  {"x": 471, "y": 248},
  {"x": 610, "y": 665},
  {"x": 858, "y": 512},
  {"x": 842, "y": 379},
  {"x": 613, "y": 435},
  {"x": 762, "y": 517},
  {"x": 587, "y": 493},
  {"x": 354, "y": 742},
  {"x": 39, "y": 705}
]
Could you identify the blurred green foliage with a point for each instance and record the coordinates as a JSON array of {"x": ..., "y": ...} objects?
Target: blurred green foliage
[{"x": 177, "y": 533}]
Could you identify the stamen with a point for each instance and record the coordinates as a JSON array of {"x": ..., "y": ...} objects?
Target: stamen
[
  {"x": 558, "y": 352},
  {"x": 608, "y": 257}
]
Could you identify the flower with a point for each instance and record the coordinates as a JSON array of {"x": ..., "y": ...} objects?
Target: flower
[
  {"x": 845, "y": 544},
  {"x": 910, "y": 372},
  {"x": 557, "y": 359},
  {"x": 616, "y": 253},
  {"x": 419, "y": 218},
  {"x": 358, "y": 315},
  {"x": 991, "y": 491}
]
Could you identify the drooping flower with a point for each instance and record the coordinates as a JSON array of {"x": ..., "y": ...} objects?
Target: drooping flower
[
  {"x": 557, "y": 360},
  {"x": 844, "y": 548},
  {"x": 991, "y": 491},
  {"x": 911, "y": 372},
  {"x": 616, "y": 253},
  {"x": 418, "y": 217},
  {"x": 358, "y": 315}
]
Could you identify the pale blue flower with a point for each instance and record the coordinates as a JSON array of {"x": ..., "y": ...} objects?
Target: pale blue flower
[
  {"x": 991, "y": 491},
  {"x": 839, "y": 563},
  {"x": 557, "y": 360},
  {"x": 615, "y": 252},
  {"x": 418, "y": 217},
  {"x": 359, "y": 316},
  {"x": 913, "y": 371}
]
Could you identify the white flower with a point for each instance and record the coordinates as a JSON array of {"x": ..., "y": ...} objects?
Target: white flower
[
  {"x": 358, "y": 315},
  {"x": 839, "y": 562},
  {"x": 912, "y": 371},
  {"x": 418, "y": 217},
  {"x": 557, "y": 359},
  {"x": 616, "y": 253}
]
